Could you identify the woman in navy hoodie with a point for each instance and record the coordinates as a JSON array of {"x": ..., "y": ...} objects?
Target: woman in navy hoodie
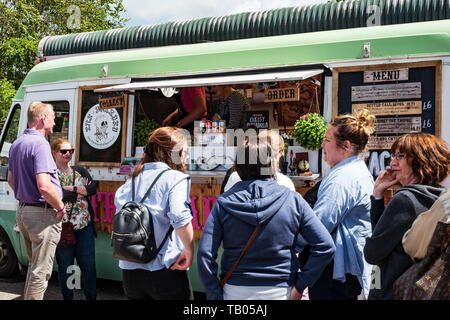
[{"x": 269, "y": 269}]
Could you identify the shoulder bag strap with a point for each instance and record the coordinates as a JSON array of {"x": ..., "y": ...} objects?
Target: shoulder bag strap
[
  {"x": 249, "y": 242},
  {"x": 73, "y": 184}
]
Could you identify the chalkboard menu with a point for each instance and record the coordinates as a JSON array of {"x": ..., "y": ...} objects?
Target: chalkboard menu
[
  {"x": 101, "y": 131},
  {"x": 403, "y": 97},
  {"x": 259, "y": 119}
]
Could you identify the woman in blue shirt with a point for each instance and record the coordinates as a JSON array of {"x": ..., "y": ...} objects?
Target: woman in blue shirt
[
  {"x": 343, "y": 206},
  {"x": 164, "y": 277}
]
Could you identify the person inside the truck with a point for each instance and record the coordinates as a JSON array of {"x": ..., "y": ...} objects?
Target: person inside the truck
[
  {"x": 232, "y": 106},
  {"x": 191, "y": 107}
]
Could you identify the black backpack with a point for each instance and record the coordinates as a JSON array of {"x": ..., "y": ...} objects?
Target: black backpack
[{"x": 133, "y": 237}]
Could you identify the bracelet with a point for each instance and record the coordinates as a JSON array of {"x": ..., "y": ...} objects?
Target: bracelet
[
  {"x": 61, "y": 210},
  {"x": 75, "y": 189}
]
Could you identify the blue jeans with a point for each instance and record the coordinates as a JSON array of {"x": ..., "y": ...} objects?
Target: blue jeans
[{"x": 84, "y": 252}]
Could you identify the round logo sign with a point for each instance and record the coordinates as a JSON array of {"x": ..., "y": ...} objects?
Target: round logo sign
[{"x": 101, "y": 128}]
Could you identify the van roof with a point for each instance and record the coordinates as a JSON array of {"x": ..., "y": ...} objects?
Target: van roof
[
  {"x": 402, "y": 40},
  {"x": 308, "y": 18}
]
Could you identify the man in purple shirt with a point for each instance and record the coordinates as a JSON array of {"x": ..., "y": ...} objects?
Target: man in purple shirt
[{"x": 32, "y": 176}]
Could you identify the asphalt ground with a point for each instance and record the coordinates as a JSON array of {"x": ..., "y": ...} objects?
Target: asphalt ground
[{"x": 12, "y": 289}]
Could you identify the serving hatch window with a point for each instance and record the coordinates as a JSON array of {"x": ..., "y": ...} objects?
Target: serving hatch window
[{"x": 270, "y": 100}]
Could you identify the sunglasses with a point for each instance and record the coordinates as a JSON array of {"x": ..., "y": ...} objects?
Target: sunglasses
[{"x": 65, "y": 151}]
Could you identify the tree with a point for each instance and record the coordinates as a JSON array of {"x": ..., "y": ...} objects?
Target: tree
[
  {"x": 7, "y": 92},
  {"x": 23, "y": 23}
]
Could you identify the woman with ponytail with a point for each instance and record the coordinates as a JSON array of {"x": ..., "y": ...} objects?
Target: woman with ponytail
[
  {"x": 164, "y": 277},
  {"x": 343, "y": 206}
]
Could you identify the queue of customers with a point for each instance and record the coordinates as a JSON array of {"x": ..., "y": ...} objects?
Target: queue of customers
[{"x": 275, "y": 244}]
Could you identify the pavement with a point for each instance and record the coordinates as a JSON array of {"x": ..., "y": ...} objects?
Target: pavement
[{"x": 12, "y": 289}]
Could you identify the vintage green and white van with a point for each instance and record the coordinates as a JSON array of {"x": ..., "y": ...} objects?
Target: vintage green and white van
[{"x": 399, "y": 69}]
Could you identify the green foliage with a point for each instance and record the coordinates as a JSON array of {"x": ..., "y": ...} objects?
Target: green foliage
[
  {"x": 309, "y": 131},
  {"x": 7, "y": 93},
  {"x": 143, "y": 129},
  {"x": 23, "y": 23}
]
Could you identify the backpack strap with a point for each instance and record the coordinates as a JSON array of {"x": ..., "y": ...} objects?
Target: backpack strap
[
  {"x": 151, "y": 186},
  {"x": 132, "y": 189},
  {"x": 165, "y": 238}
]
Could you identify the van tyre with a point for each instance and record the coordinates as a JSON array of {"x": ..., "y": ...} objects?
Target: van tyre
[{"x": 8, "y": 259}]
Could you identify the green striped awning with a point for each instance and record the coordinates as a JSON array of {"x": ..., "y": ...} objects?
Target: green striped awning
[{"x": 320, "y": 17}]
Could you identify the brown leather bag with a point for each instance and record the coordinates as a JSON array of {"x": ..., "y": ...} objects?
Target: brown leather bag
[
  {"x": 429, "y": 278},
  {"x": 67, "y": 235}
]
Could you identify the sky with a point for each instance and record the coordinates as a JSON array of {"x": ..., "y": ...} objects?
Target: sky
[{"x": 159, "y": 11}]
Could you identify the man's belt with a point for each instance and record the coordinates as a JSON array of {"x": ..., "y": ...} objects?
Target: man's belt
[{"x": 37, "y": 204}]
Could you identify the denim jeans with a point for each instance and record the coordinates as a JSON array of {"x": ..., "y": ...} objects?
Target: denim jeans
[
  {"x": 327, "y": 288},
  {"x": 84, "y": 252}
]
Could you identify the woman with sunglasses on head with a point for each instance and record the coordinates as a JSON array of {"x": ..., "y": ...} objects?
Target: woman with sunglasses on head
[
  {"x": 420, "y": 162},
  {"x": 77, "y": 185}
]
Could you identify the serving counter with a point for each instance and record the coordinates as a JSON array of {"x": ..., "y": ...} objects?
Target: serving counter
[{"x": 205, "y": 188}]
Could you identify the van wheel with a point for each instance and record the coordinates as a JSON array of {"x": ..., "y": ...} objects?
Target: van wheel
[{"x": 8, "y": 258}]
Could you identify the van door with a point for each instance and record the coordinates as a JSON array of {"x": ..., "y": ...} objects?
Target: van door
[
  {"x": 9, "y": 134},
  {"x": 10, "y": 243}
]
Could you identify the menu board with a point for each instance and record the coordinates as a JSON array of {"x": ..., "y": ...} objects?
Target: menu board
[
  {"x": 100, "y": 130},
  {"x": 259, "y": 119},
  {"x": 403, "y": 99}
]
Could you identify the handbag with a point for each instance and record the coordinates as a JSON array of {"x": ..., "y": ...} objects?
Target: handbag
[
  {"x": 429, "y": 278},
  {"x": 67, "y": 233}
]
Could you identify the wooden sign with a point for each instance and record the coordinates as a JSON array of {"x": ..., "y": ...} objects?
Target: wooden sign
[
  {"x": 390, "y": 108},
  {"x": 280, "y": 95},
  {"x": 411, "y": 90},
  {"x": 381, "y": 143},
  {"x": 111, "y": 102},
  {"x": 385, "y": 75},
  {"x": 398, "y": 125}
]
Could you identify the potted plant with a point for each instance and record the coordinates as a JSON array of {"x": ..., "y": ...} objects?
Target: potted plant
[
  {"x": 309, "y": 131},
  {"x": 143, "y": 129}
]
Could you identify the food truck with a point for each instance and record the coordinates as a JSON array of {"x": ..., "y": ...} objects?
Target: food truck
[{"x": 326, "y": 59}]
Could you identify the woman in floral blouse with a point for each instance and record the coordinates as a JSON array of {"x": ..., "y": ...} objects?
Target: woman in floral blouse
[{"x": 77, "y": 185}]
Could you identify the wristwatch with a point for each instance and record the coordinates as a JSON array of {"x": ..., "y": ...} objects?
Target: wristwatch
[
  {"x": 372, "y": 197},
  {"x": 75, "y": 189}
]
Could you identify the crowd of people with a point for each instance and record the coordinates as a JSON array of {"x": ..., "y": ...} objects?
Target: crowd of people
[{"x": 276, "y": 244}]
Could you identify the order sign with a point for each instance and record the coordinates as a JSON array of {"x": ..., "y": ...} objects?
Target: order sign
[{"x": 101, "y": 128}]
